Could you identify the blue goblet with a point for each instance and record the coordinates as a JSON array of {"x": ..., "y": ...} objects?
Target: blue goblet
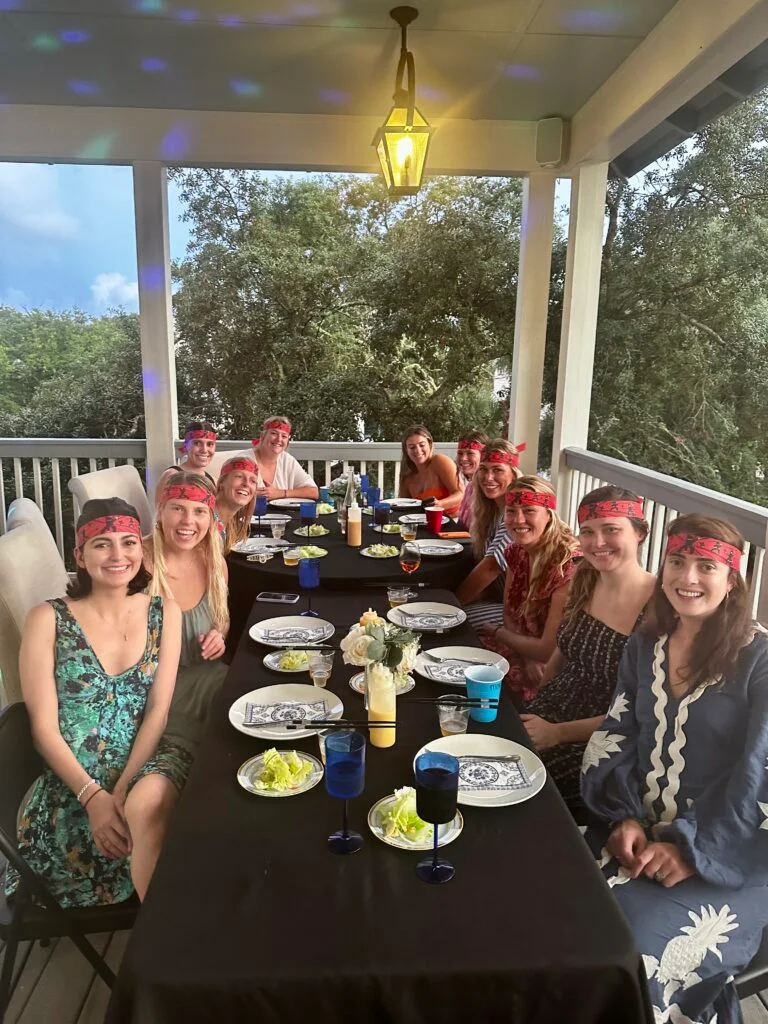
[
  {"x": 344, "y": 779},
  {"x": 309, "y": 579},
  {"x": 437, "y": 785},
  {"x": 260, "y": 507}
]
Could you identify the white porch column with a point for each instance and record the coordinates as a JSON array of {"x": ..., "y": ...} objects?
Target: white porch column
[
  {"x": 531, "y": 310},
  {"x": 150, "y": 196},
  {"x": 577, "y": 338}
]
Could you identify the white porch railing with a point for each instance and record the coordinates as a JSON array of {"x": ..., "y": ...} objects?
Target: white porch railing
[
  {"x": 41, "y": 468},
  {"x": 666, "y": 497}
]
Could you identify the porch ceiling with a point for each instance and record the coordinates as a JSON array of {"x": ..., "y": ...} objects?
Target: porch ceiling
[{"x": 517, "y": 60}]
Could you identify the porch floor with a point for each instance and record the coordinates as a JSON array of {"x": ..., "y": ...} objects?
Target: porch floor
[{"x": 57, "y": 984}]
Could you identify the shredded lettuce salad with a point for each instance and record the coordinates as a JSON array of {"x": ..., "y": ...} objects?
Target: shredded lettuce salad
[
  {"x": 311, "y": 551},
  {"x": 324, "y": 509},
  {"x": 282, "y": 771},
  {"x": 399, "y": 817},
  {"x": 315, "y": 530},
  {"x": 382, "y": 550},
  {"x": 293, "y": 661}
]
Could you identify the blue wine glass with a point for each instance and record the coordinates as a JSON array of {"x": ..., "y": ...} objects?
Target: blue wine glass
[
  {"x": 437, "y": 786},
  {"x": 260, "y": 507},
  {"x": 325, "y": 495},
  {"x": 344, "y": 779},
  {"x": 374, "y": 496},
  {"x": 309, "y": 579},
  {"x": 308, "y": 514},
  {"x": 364, "y": 489}
]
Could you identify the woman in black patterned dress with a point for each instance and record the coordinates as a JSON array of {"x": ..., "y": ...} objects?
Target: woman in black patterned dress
[{"x": 608, "y": 594}]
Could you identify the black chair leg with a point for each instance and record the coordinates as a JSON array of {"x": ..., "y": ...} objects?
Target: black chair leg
[{"x": 9, "y": 960}]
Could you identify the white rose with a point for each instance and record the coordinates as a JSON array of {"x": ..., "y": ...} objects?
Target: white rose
[
  {"x": 408, "y": 660},
  {"x": 355, "y": 647}
]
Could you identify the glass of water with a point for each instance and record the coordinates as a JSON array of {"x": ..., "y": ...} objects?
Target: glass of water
[
  {"x": 278, "y": 529},
  {"x": 320, "y": 666}
]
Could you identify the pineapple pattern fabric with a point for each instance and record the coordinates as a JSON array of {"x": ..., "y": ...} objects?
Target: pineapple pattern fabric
[
  {"x": 99, "y": 716},
  {"x": 694, "y": 771}
]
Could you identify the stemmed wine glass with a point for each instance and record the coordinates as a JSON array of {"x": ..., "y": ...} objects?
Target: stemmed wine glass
[
  {"x": 364, "y": 489},
  {"x": 344, "y": 779},
  {"x": 437, "y": 785},
  {"x": 410, "y": 556},
  {"x": 309, "y": 579},
  {"x": 381, "y": 515},
  {"x": 308, "y": 514},
  {"x": 260, "y": 508}
]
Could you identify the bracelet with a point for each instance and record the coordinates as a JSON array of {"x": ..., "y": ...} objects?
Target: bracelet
[
  {"x": 93, "y": 794},
  {"x": 89, "y": 783}
]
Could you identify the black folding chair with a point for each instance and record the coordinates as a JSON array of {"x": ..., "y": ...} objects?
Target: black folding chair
[
  {"x": 754, "y": 978},
  {"x": 33, "y": 913}
]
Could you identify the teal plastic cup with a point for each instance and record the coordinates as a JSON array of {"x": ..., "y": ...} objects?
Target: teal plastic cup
[{"x": 483, "y": 681}]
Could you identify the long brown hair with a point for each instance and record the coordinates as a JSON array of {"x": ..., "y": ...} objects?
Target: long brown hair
[
  {"x": 716, "y": 648},
  {"x": 485, "y": 511},
  {"x": 556, "y": 546},
  {"x": 586, "y": 576},
  {"x": 408, "y": 467},
  {"x": 213, "y": 558},
  {"x": 239, "y": 526}
]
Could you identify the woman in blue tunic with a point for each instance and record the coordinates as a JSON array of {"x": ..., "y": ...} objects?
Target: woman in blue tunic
[
  {"x": 677, "y": 777},
  {"x": 97, "y": 672}
]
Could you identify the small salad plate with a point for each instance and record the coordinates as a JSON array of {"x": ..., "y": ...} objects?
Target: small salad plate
[
  {"x": 380, "y": 823},
  {"x": 260, "y": 546},
  {"x": 283, "y": 693},
  {"x": 317, "y": 531},
  {"x": 389, "y": 551},
  {"x": 251, "y": 770},
  {"x": 386, "y": 528},
  {"x": 276, "y": 659},
  {"x": 357, "y": 682}
]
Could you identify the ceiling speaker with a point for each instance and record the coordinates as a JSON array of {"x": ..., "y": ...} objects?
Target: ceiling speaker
[{"x": 551, "y": 142}]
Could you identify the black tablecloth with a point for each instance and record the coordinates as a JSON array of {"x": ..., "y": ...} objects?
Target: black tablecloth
[
  {"x": 343, "y": 568},
  {"x": 250, "y": 919}
]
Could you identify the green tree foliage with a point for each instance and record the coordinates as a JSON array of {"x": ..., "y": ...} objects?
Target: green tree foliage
[{"x": 350, "y": 314}]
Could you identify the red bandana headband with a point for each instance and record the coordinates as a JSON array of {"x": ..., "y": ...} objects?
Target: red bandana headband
[
  {"x": 195, "y": 435},
  {"x": 233, "y": 465},
  {"x": 471, "y": 446},
  {"x": 188, "y": 492},
  {"x": 107, "y": 524},
  {"x": 525, "y": 498},
  {"x": 274, "y": 425},
  {"x": 505, "y": 458},
  {"x": 610, "y": 510},
  {"x": 704, "y": 547}
]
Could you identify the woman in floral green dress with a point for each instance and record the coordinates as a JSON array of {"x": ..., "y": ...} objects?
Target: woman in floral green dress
[{"x": 97, "y": 672}]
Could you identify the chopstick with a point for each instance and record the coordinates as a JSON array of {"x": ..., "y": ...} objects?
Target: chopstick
[
  {"x": 338, "y": 723},
  {"x": 462, "y": 702}
]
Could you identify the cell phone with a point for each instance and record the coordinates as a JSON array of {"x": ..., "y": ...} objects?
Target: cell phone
[{"x": 276, "y": 598}]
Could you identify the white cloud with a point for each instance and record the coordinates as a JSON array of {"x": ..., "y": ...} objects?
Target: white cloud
[
  {"x": 30, "y": 200},
  {"x": 111, "y": 290}
]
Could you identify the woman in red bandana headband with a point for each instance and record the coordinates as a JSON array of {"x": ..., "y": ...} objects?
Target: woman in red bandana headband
[
  {"x": 482, "y": 592},
  {"x": 196, "y": 450},
  {"x": 279, "y": 475},
  {"x": 425, "y": 473},
  {"x": 609, "y": 592},
  {"x": 675, "y": 778},
  {"x": 540, "y": 568},
  {"x": 97, "y": 673},
  {"x": 235, "y": 498},
  {"x": 185, "y": 557},
  {"x": 469, "y": 452}
]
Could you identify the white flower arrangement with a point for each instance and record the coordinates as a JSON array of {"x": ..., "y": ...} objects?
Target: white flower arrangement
[
  {"x": 381, "y": 643},
  {"x": 338, "y": 488}
]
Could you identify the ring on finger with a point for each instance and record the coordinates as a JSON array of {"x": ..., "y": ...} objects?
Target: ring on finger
[{"x": 659, "y": 877}]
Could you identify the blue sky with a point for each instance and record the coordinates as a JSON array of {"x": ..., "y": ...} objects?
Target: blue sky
[{"x": 67, "y": 237}]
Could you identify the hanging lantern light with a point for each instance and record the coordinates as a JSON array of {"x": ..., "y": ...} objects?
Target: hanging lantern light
[{"x": 403, "y": 140}]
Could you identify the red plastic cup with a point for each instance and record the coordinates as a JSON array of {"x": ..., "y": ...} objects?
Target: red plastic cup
[{"x": 434, "y": 519}]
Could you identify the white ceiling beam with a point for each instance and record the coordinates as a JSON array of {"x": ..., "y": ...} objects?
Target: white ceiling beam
[
  {"x": 692, "y": 46},
  {"x": 321, "y": 142}
]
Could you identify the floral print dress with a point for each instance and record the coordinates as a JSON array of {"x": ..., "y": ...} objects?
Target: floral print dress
[{"x": 99, "y": 717}]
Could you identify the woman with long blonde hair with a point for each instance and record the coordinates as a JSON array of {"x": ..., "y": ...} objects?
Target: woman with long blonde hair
[
  {"x": 235, "y": 498},
  {"x": 675, "y": 778},
  {"x": 610, "y": 589},
  {"x": 185, "y": 558},
  {"x": 540, "y": 568},
  {"x": 482, "y": 592}
]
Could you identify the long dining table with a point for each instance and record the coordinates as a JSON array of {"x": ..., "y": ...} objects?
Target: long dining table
[{"x": 249, "y": 918}]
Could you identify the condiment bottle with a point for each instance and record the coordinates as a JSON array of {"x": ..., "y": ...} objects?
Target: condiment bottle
[
  {"x": 381, "y": 701},
  {"x": 354, "y": 525}
]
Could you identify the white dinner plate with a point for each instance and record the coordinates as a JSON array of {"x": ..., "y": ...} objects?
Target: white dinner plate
[
  {"x": 272, "y": 661},
  {"x": 302, "y": 693},
  {"x": 439, "y": 548},
  {"x": 357, "y": 682},
  {"x": 270, "y": 517},
  {"x": 402, "y": 502},
  {"x": 417, "y": 518},
  {"x": 249, "y": 771},
  {"x": 452, "y": 673},
  {"x": 445, "y": 833},
  {"x": 260, "y": 546},
  {"x": 258, "y": 629},
  {"x": 484, "y": 745},
  {"x": 367, "y": 553},
  {"x": 411, "y": 616},
  {"x": 287, "y": 502}
]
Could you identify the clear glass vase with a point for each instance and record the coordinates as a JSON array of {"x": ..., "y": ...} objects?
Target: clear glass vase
[{"x": 381, "y": 701}]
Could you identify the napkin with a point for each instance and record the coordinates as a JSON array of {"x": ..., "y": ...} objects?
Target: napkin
[
  {"x": 284, "y": 711},
  {"x": 291, "y": 634},
  {"x": 428, "y": 621},
  {"x": 478, "y": 774},
  {"x": 447, "y": 672}
]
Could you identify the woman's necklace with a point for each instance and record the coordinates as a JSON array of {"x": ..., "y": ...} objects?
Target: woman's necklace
[{"x": 120, "y": 629}]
